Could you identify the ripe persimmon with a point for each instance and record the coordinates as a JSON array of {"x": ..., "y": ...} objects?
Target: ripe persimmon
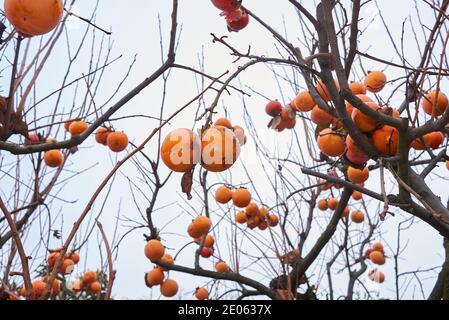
[
  {"x": 377, "y": 257},
  {"x": 75, "y": 257},
  {"x": 357, "y": 88},
  {"x": 167, "y": 258},
  {"x": 52, "y": 257},
  {"x": 240, "y": 217},
  {"x": 320, "y": 117},
  {"x": 53, "y": 158},
  {"x": 181, "y": 150},
  {"x": 202, "y": 224},
  {"x": 226, "y": 5},
  {"x": 94, "y": 287},
  {"x": 357, "y": 175},
  {"x": 219, "y": 149},
  {"x": 253, "y": 222},
  {"x": 377, "y": 246},
  {"x": 239, "y": 133},
  {"x": 435, "y": 103},
  {"x": 350, "y": 107},
  {"x": 303, "y": 102},
  {"x": 67, "y": 266},
  {"x": 386, "y": 140},
  {"x": 322, "y": 204},
  {"x": 264, "y": 213},
  {"x": 154, "y": 277},
  {"x": 154, "y": 250},
  {"x": 364, "y": 122},
  {"x": 38, "y": 287},
  {"x": 356, "y": 195},
  {"x": 432, "y": 139},
  {"x": 263, "y": 225},
  {"x": 252, "y": 210},
  {"x": 345, "y": 213},
  {"x": 353, "y": 153},
  {"x": 201, "y": 293},
  {"x": 78, "y": 127},
  {"x": 288, "y": 118},
  {"x": 33, "y": 18},
  {"x": 332, "y": 203},
  {"x": 89, "y": 277},
  {"x": 331, "y": 143},
  {"x": 357, "y": 216},
  {"x": 169, "y": 288},
  {"x": 375, "y": 81},
  {"x": 273, "y": 220},
  {"x": 209, "y": 241},
  {"x": 101, "y": 136},
  {"x": 241, "y": 197},
  {"x": 221, "y": 267},
  {"x": 273, "y": 108},
  {"x": 323, "y": 91},
  {"x": 224, "y": 122},
  {"x": 117, "y": 141},
  {"x": 193, "y": 231},
  {"x": 223, "y": 194}
]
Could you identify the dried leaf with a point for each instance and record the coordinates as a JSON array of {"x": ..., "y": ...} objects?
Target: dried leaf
[{"x": 186, "y": 184}]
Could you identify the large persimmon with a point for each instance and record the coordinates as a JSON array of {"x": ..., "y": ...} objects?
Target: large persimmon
[
  {"x": 154, "y": 250},
  {"x": 385, "y": 140},
  {"x": 181, "y": 150},
  {"x": 357, "y": 175},
  {"x": 303, "y": 102},
  {"x": 375, "y": 81},
  {"x": 354, "y": 153},
  {"x": 202, "y": 224},
  {"x": 350, "y": 107},
  {"x": 432, "y": 139},
  {"x": 33, "y": 17},
  {"x": 223, "y": 194},
  {"x": 331, "y": 143},
  {"x": 364, "y": 122},
  {"x": 117, "y": 141},
  {"x": 320, "y": 117},
  {"x": 219, "y": 149},
  {"x": 241, "y": 197},
  {"x": 434, "y": 103}
]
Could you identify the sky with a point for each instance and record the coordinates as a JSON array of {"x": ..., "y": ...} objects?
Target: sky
[{"x": 135, "y": 37}]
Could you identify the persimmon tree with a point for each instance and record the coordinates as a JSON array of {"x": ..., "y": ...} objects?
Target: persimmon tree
[{"x": 350, "y": 165}]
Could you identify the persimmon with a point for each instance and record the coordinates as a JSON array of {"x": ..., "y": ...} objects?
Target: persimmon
[
  {"x": 357, "y": 175},
  {"x": 353, "y": 153},
  {"x": 241, "y": 197},
  {"x": 202, "y": 224},
  {"x": 264, "y": 214},
  {"x": 377, "y": 257},
  {"x": 320, "y": 117},
  {"x": 386, "y": 140},
  {"x": 357, "y": 88},
  {"x": 273, "y": 220},
  {"x": 263, "y": 225},
  {"x": 273, "y": 108},
  {"x": 323, "y": 91},
  {"x": 78, "y": 127},
  {"x": 55, "y": 287},
  {"x": 67, "y": 124},
  {"x": 209, "y": 241},
  {"x": 375, "y": 81},
  {"x": 364, "y": 122},
  {"x": 154, "y": 277},
  {"x": 219, "y": 149},
  {"x": 377, "y": 276},
  {"x": 221, "y": 267},
  {"x": 224, "y": 122},
  {"x": 206, "y": 252},
  {"x": 323, "y": 205},
  {"x": 378, "y": 247},
  {"x": 332, "y": 203},
  {"x": 253, "y": 222},
  {"x": 117, "y": 141},
  {"x": 75, "y": 257},
  {"x": 167, "y": 258},
  {"x": 240, "y": 217},
  {"x": 345, "y": 213},
  {"x": 89, "y": 277},
  {"x": 52, "y": 257},
  {"x": 331, "y": 143},
  {"x": 154, "y": 250},
  {"x": 237, "y": 19},
  {"x": 434, "y": 103},
  {"x": 181, "y": 150},
  {"x": 94, "y": 287},
  {"x": 392, "y": 112},
  {"x": 356, "y": 195},
  {"x": 67, "y": 266},
  {"x": 193, "y": 231},
  {"x": 101, "y": 136},
  {"x": 252, "y": 210},
  {"x": 169, "y": 288},
  {"x": 303, "y": 102},
  {"x": 226, "y": 5},
  {"x": 223, "y": 194},
  {"x": 357, "y": 216},
  {"x": 33, "y": 17},
  {"x": 38, "y": 287},
  {"x": 53, "y": 158},
  {"x": 201, "y": 293},
  {"x": 288, "y": 118},
  {"x": 432, "y": 139}
]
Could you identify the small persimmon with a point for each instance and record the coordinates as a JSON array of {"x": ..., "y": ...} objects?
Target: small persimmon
[
  {"x": 273, "y": 220},
  {"x": 221, "y": 267},
  {"x": 332, "y": 203},
  {"x": 357, "y": 216},
  {"x": 154, "y": 277},
  {"x": 202, "y": 224},
  {"x": 201, "y": 293},
  {"x": 323, "y": 204},
  {"x": 434, "y": 103},
  {"x": 224, "y": 122},
  {"x": 223, "y": 194},
  {"x": 357, "y": 175},
  {"x": 377, "y": 257},
  {"x": 89, "y": 277},
  {"x": 375, "y": 81},
  {"x": 117, "y": 141},
  {"x": 253, "y": 222},
  {"x": 78, "y": 127},
  {"x": 356, "y": 195},
  {"x": 241, "y": 197},
  {"x": 94, "y": 287},
  {"x": 169, "y": 288},
  {"x": 154, "y": 250},
  {"x": 53, "y": 158},
  {"x": 167, "y": 258},
  {"x": 240, "y": 217},
  {"x": 377, "y": 246},
  {"x": 101, "y": 136},
  {"x": 252, "y": 210},
  {"x": 52, "y": 257},
  {"x": 357, "y": 88},
  {"x": 67, "y": 266}
]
